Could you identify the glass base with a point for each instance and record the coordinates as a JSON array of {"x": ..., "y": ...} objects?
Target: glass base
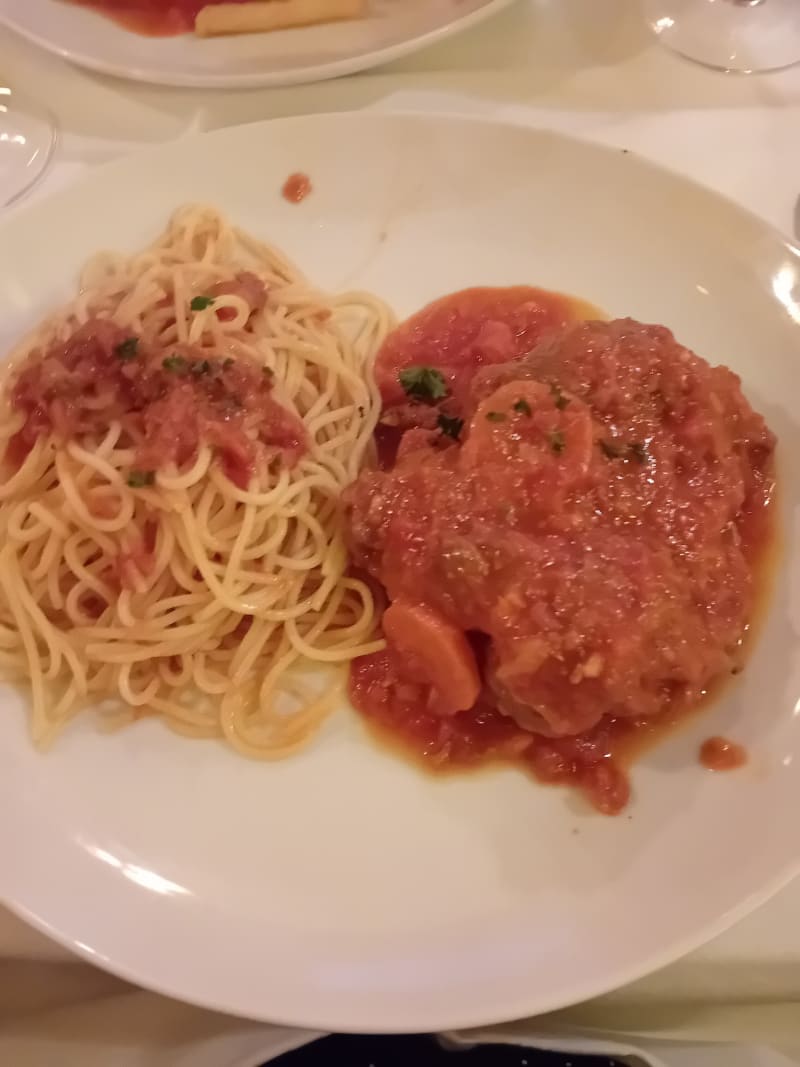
[
  {"x": 28, "y": 138},
  {"x": 747, "y": 36}
]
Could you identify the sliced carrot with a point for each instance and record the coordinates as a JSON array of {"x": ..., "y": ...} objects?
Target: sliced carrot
[{"x": 439, "y": 653}]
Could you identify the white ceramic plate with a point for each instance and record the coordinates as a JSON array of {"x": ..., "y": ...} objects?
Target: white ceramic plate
[
  {"x": 394, "y": 28},
  {"x": 344, "y": 888}
]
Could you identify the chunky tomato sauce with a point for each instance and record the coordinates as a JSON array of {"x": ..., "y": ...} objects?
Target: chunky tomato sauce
[
  {"x": 152, "y": 18},
  {"x": 569, "y": 538},
  {"x": 470, "y": 329},
  {"x": 169, "y": 401}
]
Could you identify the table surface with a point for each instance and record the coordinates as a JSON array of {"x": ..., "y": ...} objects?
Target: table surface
[{"x": 585, "y": 65}]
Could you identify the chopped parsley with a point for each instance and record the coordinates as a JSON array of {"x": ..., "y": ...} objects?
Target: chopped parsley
[
  {"x": 175, "y": 364},
  {"x": 127, "y": 349},
  {"x": 495, "y": 416},
  {"x": 423, "y": 383},
  {"x": 557, "y": 441},
  {"x": 450, "y": 426},
  {"x": 200, "y": 303},
  {"x": 139, "y": 479},
  {"x": 610, "y": 450},
  {"x": 523, "y": 407},
  {"x": 559, "y": 399},
  {"x": 201, "y": 367},
  {"x": 639, "y": 452}
]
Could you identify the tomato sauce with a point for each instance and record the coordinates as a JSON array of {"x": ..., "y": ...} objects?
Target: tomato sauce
[
  {"x": 168, "y": 401},
  {"x": 151, "y": 18},
  {"x": 482, "y": 736},
  {"x": 594, "y": 517},
  {"x": 296, "y": 188},
  {"x": 720, "y": 754},
  {"x": 459, "y": 333}
]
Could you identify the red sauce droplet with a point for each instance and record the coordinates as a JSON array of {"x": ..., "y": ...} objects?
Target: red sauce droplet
[
  {"x": 296, "y": 188},
  {"x": 720, "y": 754}
]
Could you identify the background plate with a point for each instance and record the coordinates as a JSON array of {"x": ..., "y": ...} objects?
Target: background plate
[
  {"x": 394, "y": 28},
  {"x": 344, "y": 889}
]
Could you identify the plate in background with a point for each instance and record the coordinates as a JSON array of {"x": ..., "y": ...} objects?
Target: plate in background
[{"x": 392, "y": 29}]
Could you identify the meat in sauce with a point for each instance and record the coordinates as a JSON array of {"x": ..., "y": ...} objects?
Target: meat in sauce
[{"x": 585, "y": 545}]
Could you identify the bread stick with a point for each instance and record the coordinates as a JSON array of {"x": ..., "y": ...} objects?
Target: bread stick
[{"x": 262, "y": 17}]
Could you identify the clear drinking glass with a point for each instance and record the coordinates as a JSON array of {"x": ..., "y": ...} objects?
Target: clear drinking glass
[
  {"x": 731, "y": 35},
  {"x": 28, "y": 137}
]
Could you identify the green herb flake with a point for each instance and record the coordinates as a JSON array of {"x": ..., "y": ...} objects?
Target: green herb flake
[
  {"x": 423, "y": 383},
  {"x": 139, "y": 479},
  {"x": 495, "y": 416},
  {"x": 127, "y": 349},
  {"x": 175, "y": 364},
  {"x": 523, "y": 407},
  {"x": 228, "y": 363},
  {"x": 557, "y": 442},
  {"x": 559, "y": 399},
  {"x": 450, "y": 426},
  {"x": 610, "y": 450},
  {"x": 201, "y": 367},
  {"x": 639, "y": 452},
  {"x": 200, "y": 303}
]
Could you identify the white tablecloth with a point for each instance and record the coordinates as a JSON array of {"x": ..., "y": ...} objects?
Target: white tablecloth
[{"x": 585, "y": 66}]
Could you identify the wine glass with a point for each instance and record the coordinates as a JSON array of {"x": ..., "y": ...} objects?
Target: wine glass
[
  {"x": 28, "y": 136},
  {"x": 730, "y": 35}
]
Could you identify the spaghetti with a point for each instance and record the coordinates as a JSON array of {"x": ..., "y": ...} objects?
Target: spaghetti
[{"x": 174, "y": 445}]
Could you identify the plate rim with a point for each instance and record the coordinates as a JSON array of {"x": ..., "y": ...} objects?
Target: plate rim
[
  {"x": 306, "y": 75},
  {"x": 513, "y": 1009},
  {"x": 421, "y": 1022}
]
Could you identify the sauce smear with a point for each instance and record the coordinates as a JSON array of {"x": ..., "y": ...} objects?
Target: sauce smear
[{"x": 720, "y": 754}]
